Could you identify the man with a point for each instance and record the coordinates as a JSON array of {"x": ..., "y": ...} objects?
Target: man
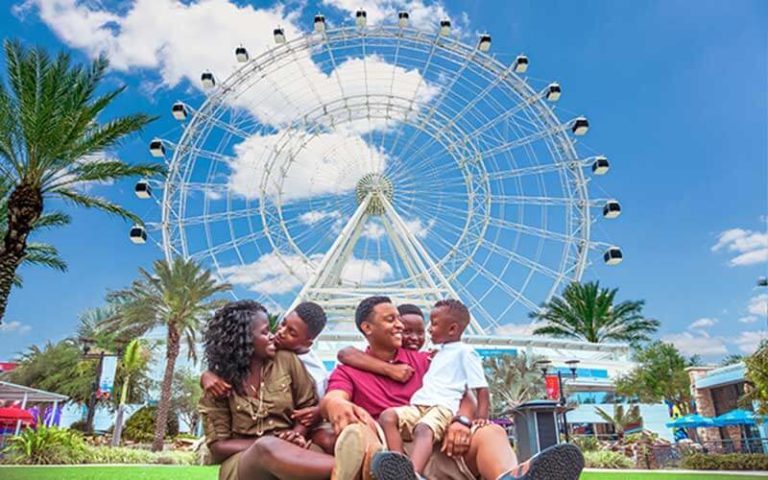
[{"x": 355, "y": 397}]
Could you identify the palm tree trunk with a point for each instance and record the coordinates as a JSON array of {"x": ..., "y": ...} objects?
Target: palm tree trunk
[
  {"x": 25, "y": 205},
  {"x": 118, "y": 431},
  {"x": 164, "y": 405}
]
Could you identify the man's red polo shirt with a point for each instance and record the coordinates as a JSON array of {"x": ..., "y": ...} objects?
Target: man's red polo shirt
[{"x": 376, "y": 393}]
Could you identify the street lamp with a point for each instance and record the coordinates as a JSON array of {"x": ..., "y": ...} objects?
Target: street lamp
[{"x": 544, "y": 365}]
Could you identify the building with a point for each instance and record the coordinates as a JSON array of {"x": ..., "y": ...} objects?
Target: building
[{"x": 717, "y": 391}]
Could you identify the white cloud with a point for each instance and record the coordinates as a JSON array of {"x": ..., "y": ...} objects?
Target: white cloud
[
  {"x": 326, "y": 163},
  {"x": 758, "y": 305},
  {"x": 418, "y": 228},
  {"x": 748, "y": 319},
  {"x": 14, "y": 327},
  {"x": 314, "y": 216},
  {"x": 373, "y": 230},
  {"x": 751, "y": 247},
  {"x": 748, "y": 341},
  {"x": 702, "y": 323},
  {"x": 699, "y": 343},
  {"x": 274, "y": 275}
]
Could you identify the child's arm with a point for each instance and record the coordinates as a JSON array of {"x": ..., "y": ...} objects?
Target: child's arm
[
  {"x": 483, "y": 404},
  {"x": 353, "y": 357},
  {"x": 214, "y": 385}
]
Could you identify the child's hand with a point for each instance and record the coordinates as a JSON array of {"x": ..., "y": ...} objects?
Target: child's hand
[
  {"x": 400, "y": 372},
  {"x": 293, "y": 437},
  {"x": 307, "y": 416},
  {"x": 480, "y": 422},
  {"x": 214, "y": 385}
]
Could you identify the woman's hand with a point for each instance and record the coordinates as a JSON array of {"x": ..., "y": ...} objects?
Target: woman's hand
[
  {"x": 456, "y": 442},
  {"x": 480, "y": 422},
  {"x": 400, "y": 372},
  {"x": 307, "y": 416},
  {"x": 293, "y": 437},
  {"x": 213, "y": 385}
]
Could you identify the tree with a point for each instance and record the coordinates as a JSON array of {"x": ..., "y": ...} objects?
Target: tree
[
  {"x": 757, "y": 379},
  {"x": 186, "y": 395},
  {"x": 135, "y": 359},
  {"x": 620, "y": 419},
  {"x": 586, "y": 312},
  {"x": 731, "y": 359},
  {"x": 177, "y": 298},
  {"x": 41, "y": 254},
  {"x": 52, "y": 143},
  {"x": 512, "y": 380},
  {"x": 659, "y": 375}
]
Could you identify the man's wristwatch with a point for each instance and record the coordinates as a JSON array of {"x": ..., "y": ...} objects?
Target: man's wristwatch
[{"x": 462, "y": 420}]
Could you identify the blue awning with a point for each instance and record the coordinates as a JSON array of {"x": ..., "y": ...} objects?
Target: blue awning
[
  {"x": 735, "y": 417},
  {"x": 691, "y": 421}
]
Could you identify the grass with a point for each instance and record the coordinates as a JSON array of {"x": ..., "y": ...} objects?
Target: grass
[{"x": 141, "y": 472}]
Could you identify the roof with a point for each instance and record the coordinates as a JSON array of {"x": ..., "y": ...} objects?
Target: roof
[
  {"x": 722, "y": 376},
  {"x": 11, "y": 391}
]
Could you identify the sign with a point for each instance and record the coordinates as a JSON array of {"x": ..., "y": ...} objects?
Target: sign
[
  {"x": 553, "y": 387},
  {"x": 107, "y": 380}
]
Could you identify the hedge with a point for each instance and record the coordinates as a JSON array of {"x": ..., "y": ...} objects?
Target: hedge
[{"x": 728, "y": 461}]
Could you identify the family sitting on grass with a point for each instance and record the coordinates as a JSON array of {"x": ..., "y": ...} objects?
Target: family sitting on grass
[{"x": 392, "y": 412}]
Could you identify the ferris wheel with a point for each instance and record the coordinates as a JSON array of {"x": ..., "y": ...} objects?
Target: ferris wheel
[{"x": 359, "y": 160}]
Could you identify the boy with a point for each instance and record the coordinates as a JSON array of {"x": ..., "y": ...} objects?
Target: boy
[
  {"x": 296, "y": 333},
  {"x": 455, "y": 368},
  {"x": 413, "y": 339}
]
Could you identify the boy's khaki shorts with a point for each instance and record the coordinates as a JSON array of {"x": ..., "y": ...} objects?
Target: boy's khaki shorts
[{"x": 436, "y": 417}]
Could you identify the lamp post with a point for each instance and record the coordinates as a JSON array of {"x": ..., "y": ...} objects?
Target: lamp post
[{"x": 544, "y": 365}]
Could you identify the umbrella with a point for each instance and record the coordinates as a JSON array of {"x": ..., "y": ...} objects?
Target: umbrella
[
  {"x": 10, "y": 415},
  {"x": 691, "y": 421},
  {"x": 735, "y": 417}
]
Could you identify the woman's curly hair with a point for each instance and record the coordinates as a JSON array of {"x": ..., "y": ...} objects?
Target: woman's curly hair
[{"x": 229, "y": 342}]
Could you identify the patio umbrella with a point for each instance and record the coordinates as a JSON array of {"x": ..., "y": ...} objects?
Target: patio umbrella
[
  {"x": 735, "y": 417},
  {"x": 693, "y": 420},
  {"x": 10, "y": 415}
]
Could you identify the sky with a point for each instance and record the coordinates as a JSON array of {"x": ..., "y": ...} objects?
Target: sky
[{"x": 675, "y": 92}]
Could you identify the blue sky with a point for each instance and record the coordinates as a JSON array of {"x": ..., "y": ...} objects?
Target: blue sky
[{"x": 675, "y": 92}]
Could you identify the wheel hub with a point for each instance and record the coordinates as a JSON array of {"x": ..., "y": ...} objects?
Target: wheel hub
[{"x": 374, "y": 183}]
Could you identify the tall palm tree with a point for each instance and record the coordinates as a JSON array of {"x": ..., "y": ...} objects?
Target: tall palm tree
[
  {"x": 620, "y": 419},
  {"x": 513, "y": 380},
  {"x": 135, "y": 359},
  {"x": 50, "y": 134},
  {"x": 586, "y": 312},
  {"x": 176, "y": 297},
  {"x": 41, "y": 254}
]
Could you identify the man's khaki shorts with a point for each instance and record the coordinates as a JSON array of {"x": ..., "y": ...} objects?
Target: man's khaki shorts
[{"x": 437, "y": 418}]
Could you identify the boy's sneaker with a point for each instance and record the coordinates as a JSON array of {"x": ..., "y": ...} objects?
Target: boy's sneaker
[
  {"x": 559, "y": 462},
  {"x": 393, "y": 466}
]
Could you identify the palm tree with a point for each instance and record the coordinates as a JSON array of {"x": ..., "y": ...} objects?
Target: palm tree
[
  {"x": 50, "y": 143},
  {"x": 512, "y": 380},
  {"x": 135, "y": 359},
  {"x": 620, "y": 419},
  {"x": 586, "y": 312},
  {"x": 41, "y": 254},
  {"x": 175, "y": 297}
]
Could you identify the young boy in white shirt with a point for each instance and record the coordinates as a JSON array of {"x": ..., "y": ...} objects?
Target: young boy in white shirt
[{"x": 455, "y": 368}]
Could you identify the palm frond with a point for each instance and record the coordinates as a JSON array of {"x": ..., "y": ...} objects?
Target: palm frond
[
  {"x": 89, "y": 201},
  {"x": 45, "y": 255}
]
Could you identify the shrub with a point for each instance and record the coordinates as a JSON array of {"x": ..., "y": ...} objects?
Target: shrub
[
  {"x": 587, "y": 443},
  {"x": 729, "y": 461},
  {"x": 137, "y": 456},
  {"x": 45, "y": 446},
  {"x": 607, "y": 459},
  {"x": 141, "y": 426},
  {"x": 79, "y": 425}
]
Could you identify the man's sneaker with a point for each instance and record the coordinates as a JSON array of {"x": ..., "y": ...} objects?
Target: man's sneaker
[
  {"x": 393, "y": 466},
  {"x": 560, "y": 462}
]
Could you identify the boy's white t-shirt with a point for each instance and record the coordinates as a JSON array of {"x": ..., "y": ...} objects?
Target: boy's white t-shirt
[
  {"x": 316, "y": 370},
  {"x": 455, "y": 368}
]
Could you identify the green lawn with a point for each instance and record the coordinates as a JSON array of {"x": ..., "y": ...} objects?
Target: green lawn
[{"x": 209, "y": 473}]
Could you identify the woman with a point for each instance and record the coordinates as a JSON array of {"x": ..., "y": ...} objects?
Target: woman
[{"x": 268, "y": 386}]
